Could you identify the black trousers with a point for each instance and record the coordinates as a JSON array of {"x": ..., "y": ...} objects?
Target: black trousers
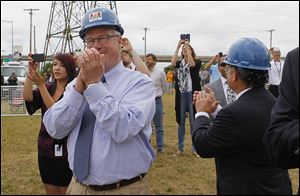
[{"x": 274, "y": 90}]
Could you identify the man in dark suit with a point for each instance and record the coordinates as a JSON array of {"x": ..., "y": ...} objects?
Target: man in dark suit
[
  {"x": 282, "y": 137},
  {"x": 234, "y": 138},
  {"x": 220, "y": 86}
]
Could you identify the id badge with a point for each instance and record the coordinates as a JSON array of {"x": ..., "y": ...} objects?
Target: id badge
[{"x": 58, "y": 150}]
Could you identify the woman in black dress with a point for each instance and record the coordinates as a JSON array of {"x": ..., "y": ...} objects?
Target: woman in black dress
[{"x": 52, "y": 153}]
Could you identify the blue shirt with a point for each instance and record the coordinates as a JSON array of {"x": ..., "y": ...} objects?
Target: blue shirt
[
  {"x": 214, "y": 73},
  {"x": 124, "y": 107}
]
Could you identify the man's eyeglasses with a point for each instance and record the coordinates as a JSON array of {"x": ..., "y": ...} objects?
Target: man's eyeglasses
[{"x": 102, "y": 40}]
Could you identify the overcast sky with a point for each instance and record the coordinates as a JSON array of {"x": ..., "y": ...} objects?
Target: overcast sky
[{"x": 213, "y": 26}]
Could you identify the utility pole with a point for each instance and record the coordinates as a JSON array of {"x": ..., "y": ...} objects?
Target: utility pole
[
  {"x": 30, "y": 13},
  {"x": 271, "y": 30},
  {"x": 12, "y": 35},
  {"x": 145, "y": 41},
  {"x": 34, "y": 40}
]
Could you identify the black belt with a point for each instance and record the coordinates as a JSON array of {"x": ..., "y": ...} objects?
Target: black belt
[
  {"x": 115, "y": 185},
  {"x": 157, "y": 98}
]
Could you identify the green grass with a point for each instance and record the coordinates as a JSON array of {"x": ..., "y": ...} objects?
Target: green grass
[
  {"x": 19, "y": 168},
  {"x": 169, "y": 175}
]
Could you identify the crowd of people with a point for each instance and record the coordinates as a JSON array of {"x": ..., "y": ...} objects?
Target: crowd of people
[{"x": 95, "y": 135}]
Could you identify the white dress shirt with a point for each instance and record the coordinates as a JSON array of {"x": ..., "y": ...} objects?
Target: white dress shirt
[
  {"x": 275, "y": 72},
  {"x": 159, "y": 80}
]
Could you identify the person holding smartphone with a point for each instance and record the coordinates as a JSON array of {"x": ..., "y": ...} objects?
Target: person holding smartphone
[
  {"x": 52, "y": 153},
  {"x": 187, "y": 81}
]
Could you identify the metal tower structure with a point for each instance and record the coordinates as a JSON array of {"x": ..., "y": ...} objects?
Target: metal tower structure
[{"x": 65, "y": 22}]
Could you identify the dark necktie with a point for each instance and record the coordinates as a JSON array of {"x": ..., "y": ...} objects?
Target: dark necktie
[{"x": 84, "y": 143}]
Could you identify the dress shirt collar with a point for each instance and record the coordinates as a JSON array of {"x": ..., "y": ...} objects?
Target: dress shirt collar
[
  {"x": 152, "y": 70},
  {"x": 224, "y": 80},
  {"x": 112, "y": 73},
  {"x": 242, "y": 92}
]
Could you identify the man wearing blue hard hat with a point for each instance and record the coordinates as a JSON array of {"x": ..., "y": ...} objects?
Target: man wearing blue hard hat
[
  {"x": 107, "y": 112},
  {"x": 235, "y": 137}
]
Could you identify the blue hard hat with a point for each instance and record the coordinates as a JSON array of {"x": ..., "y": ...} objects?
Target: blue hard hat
[
  {"x": 99, "y": 17},
  {"x": 249, "y": 53}
]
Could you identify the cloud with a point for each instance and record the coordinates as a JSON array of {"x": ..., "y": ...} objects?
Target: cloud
[{"x": 213, "y": 26}]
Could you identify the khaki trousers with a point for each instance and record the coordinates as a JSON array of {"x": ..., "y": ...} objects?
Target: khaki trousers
[{"x": 138, "y": 188}]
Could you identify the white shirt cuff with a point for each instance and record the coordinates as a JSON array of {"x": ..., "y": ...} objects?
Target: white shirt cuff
[
  {"x": 214, "y": 114},
  {"x": 93, "y": 84},
  {"x": 201, "y": 114}
]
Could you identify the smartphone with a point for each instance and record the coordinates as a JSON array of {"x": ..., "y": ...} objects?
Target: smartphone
[
  {"x": 185, "y": 36},
  {"x": 38, "y": 57}
]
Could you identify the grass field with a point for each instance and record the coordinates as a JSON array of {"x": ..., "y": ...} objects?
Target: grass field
[{"x": 169, "y": 175}]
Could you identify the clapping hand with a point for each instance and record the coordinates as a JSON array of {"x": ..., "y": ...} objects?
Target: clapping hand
[
  {"x": 205, "y": 101},
  {"x": 91, "y": 66},
  {"x": 196, "y": 93},
  {"x": 80, "y": 85},
  {"x": 210, "y": 92}
]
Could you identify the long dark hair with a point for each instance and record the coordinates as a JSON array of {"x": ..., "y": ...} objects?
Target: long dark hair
[
  {"x": 68, "y": 62},
  {"x": 193, "y": 53}
]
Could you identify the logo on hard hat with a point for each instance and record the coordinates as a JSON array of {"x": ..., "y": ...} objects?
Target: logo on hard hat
[{"x": 95, "y": 16}]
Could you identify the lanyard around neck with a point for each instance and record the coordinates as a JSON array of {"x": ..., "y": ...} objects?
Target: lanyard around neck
[{"x": 278, "y": 69}]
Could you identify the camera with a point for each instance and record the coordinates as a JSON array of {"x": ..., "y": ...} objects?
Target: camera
[
  {"x": 38, "y": 57},
  {"x": 185, "y": 36}
]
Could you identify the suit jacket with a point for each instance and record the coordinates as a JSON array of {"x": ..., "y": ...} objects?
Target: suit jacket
[
  {"x": 282, "y": 137},
  {"x": 217, "y": 87},
  {"x": 235, "y": 140}
]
